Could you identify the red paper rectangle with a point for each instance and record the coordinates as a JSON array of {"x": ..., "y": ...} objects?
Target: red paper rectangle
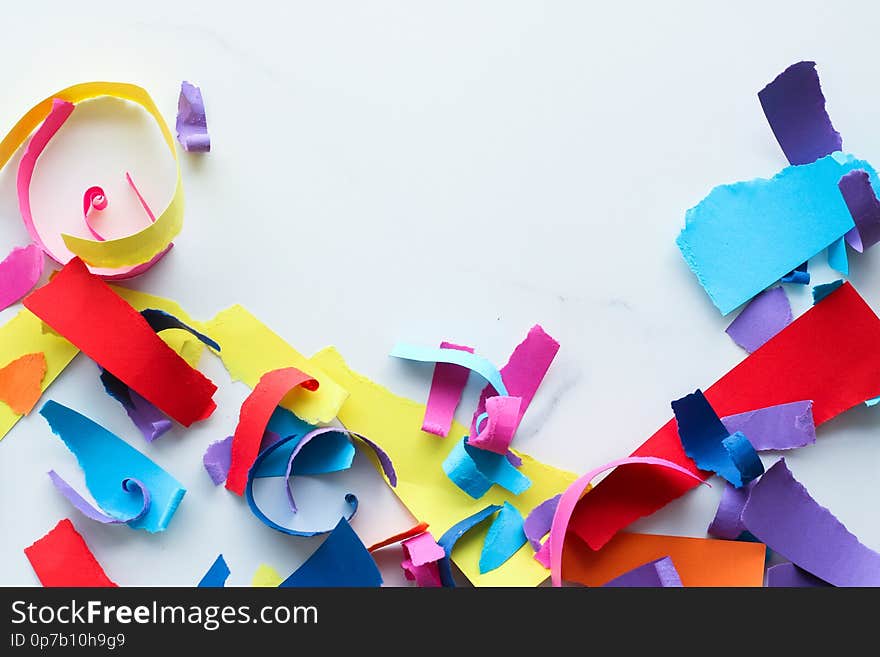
[
  {"x": 83, "y": 309},
  {"x": 829, "y": 355},
  {"x": 62, "y": 558}
]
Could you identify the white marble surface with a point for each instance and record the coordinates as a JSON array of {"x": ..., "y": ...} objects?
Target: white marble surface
[{"x": 421, "y": 171}]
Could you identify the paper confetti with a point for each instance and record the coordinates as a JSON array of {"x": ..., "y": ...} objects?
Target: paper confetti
[
  {"x": 861, "y": 200},
  {"x": 784, "y": 426},
  {"x": 765, "y": 316},
  {"x": 192, "y": 126},
  {"x": 446, "y": 388},
  {"x": 62, "y": 558},
  {"x": 342, "y": 560},
  {"x": 660, "y": 572},
  {"x": 216, "y": 575},
  {"x": 19, "y": 272},
  {"x": 20, "y": 382},
  {"x": 505, "y": 537}
]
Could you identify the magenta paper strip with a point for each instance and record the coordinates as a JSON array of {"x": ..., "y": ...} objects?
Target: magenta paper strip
[{"x": 446, "y": 388}]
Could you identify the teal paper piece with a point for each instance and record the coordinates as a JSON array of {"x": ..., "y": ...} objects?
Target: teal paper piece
[
  {"x": 107, "y": 460},
  {"x": 822, "y": 291},
  {"x": 474, "y": 470},
  {"x": 333, "y": 453},
  {"x": 506, "y": 536},
  {"x": 837, "y": 258},
  {"x": 744, "y": 237}
]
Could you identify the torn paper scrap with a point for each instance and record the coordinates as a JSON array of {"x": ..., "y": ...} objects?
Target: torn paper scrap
[
  {"x": 85, "y": 507},
  {"x": 827, "y": 354},
  {"x": 539, "y": 521},
  {"x": 254, "y": 417},
  {"x": 475, "y": 470},
  {"x": 657, "y": 573},
  {"x": 699, "y": 561},
  {"x": 216, "y": 576},
  {"x": 451, "y": 536},
  {"x": 727, "y": 522},
  {"x": 447, "y": 386},
  {"x": 19, "y": 272},
  {"x": 20, "y": 381},
  {"x": 217, "y": 458},
  {"x": 795, "y": 109},
  {"x": 412, "y": 532},
  {"x": 573, "y": 493},
  {"x": 84, "y": 310},
  {"x": 708, "y": 443},
  {"x": 422, "y": 555},
  {"x": 523, "y": 372},
  {"x": 394, "y": 422},
  {"x": 23, "y": 335},
  {"x": 62, "y": 558},
  {"x": 192, "y": 126},
  {"x": 250, "y": 349},
  {"x": 860, "y": 198},
  {"x": 465, "y": 359},
  {"x": 148, "y": 419},
  {"x": 765, "y": 316},
  {"x": 333, "y": 453},
  {"x": 266, "y": 576},
  {"x": 787, "y": 575},
  {"x": 837, "y": 258},
  {"x": 107, "y": 461},
  {"x": 501, "y": 421},
  {"x": 743, "y": 237},
  {"x": 783, "y": 426},
  {"x": 505, "y": 537},
  {"x": 822, "y": 291},
  {"x": 341, "y": 560},
  {"x": 798, "y": 276},
  {"x": 781, "y": 513}
]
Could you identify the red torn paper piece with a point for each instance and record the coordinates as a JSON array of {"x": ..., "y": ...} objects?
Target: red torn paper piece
[
  {"x": 62, "y": 558},
  {"x": 254, "y": 416},
  {"x": 828, "y": 355},
  {"x": 20, "y": 382},
  {"x": 402, "y": 536},
  {"x": 83, "y": 309},
  {"x": 446, "y": 387}
]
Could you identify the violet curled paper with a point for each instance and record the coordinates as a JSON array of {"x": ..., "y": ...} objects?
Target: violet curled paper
[
  {"x": 572, "y": 495},
  {"x": 87, "y": 509},
  {"x": 192, "y": 125},
  {"x": 781, "y": 514},
  {"x": 658, "y": 573},
  {"x": 447, "y": 386},
  {"x": 864, "y": 207},
  {"x": 765, "y": 316},
  {"x": 795, "y": 109},
  {"x": 727, "y": 522}
]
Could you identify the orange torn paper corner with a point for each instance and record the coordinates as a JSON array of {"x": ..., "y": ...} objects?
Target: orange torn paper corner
[
  {"x": 394, "y": 423},
  {"x": 699, "y": 561},
  {"x": 20, "y": 382},
  {"x": 250, "y": 349},
  {"x": 266, "y": 576}
]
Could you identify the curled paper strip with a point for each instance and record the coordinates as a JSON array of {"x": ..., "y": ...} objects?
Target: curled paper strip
[
  {"x": 421, "y": 555},
  {"x": 781, "y": 513},
  {"x": 106, "y": 460},
  {"x": 446, "y": 387},
  {"x": 19, "y": 272},
  {"x": 573, "y": 493},
  {"x": 217, "y": 574},
  {"x": 658, "y": 573},
  {"x": 861, "y": 200},
  {"x": 62, "y": 558},
  {"x": 505, "y": 537},
  {"x": 136, "y": 249},
  {"x": 128, "y": 485},
  {"x": 192, "y": 126},
  {"x": 475, "y": 470},
  {"x": 458, "y": 357},
  {"x": 450, "y": 538},
  {"x": 502, "y": 418},
  {"x": 765, "y": 316},
  {"x": 727, "y": 522},
  {"x": 539, "y": 521},
  {"x": 837, "y": 257}
]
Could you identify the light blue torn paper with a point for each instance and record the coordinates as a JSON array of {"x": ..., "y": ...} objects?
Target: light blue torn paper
[
  {"x": 506, "y": 536},
  {"x": 744, "y": 237}
]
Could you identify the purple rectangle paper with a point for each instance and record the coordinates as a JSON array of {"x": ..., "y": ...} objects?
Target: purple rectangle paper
[
  {"x": 765, "y": 316},
  {"x": 784, "y": 426}
]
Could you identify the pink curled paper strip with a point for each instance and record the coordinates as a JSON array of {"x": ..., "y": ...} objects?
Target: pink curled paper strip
[
  {"x": 502, "y": 421},
  {"x": 572, "y": 495},
  {"x": 19, "y": 272},
  {"x": 421, "y": 554},
  {"x": 446, "y": 387},
  {"x": 61, "y": 111},
  {"x": 90, "y": 511},
  {"x": 384, "y": 459}
]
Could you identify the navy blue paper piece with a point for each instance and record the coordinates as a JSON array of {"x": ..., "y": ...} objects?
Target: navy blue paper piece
[
  {"x": 342, "y": 560},
  {"x": 216, "y": 576}
]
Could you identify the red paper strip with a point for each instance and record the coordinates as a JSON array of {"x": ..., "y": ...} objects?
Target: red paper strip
[
  {"x": 82, "y": 308},
  {"x": 421, "y": 528},
  {"x": 62, "y": 558},
  {"x": 254, "y": 416},
  {"x": 829, "y": 355}
]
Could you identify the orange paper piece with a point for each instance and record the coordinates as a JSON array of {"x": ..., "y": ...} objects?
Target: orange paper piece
[
  {"x": 20, "y": 382},
  {"x": 699, "y": 561}
]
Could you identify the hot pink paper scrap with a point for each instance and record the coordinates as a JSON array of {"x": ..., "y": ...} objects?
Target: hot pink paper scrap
[
  {"x": 421, "y": 554},
  {"x": 446, "y": 387},
  {"x": 19, "y": 272},
  {"x": 503, "y": 416}
]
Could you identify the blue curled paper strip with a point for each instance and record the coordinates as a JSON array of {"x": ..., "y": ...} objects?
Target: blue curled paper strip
[
  {"x": 706, "y": 440},
  {"x": 506, "y": 536},
  {"x": 216, "y": 576},
  {"x": 474, "y": 470},
  {"x": 465, "y": 359},
  {"x": 450, "y": 538},
  {"x": 149, "y": 420},
  {"x": 89, "y": 510}
]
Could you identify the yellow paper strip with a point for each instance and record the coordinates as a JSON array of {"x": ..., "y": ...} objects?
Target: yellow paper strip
[
  {"x": 249, "y": 349},
  {"x": 395, "y": 424},
  {"x": 132, "y": 249},
  {"x": 266, "y": 576}
]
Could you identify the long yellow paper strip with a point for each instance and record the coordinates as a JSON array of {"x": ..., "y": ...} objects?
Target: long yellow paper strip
[
  {"x": 395, "y": 424},
  {"x": 138, "y": 247}
]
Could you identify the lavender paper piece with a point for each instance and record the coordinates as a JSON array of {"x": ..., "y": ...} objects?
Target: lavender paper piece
[
  {"x": 218, "y": 456},
  {"x": 539, "y": 521},
  {"x": 784, "y": 426},
  {"x": 781, "y": 514},
  {"x": 822, "y": 291},
  {"x": 765, "y": 316},
  {"x": 864, "y": 207},
  {"x": 192, "y": 126},
  {"x": 788, "y": 575},
  {"x": 661, "y": 572},
  {"x": 795, "y": 109},
  {"x": 728, "y": 518}
]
